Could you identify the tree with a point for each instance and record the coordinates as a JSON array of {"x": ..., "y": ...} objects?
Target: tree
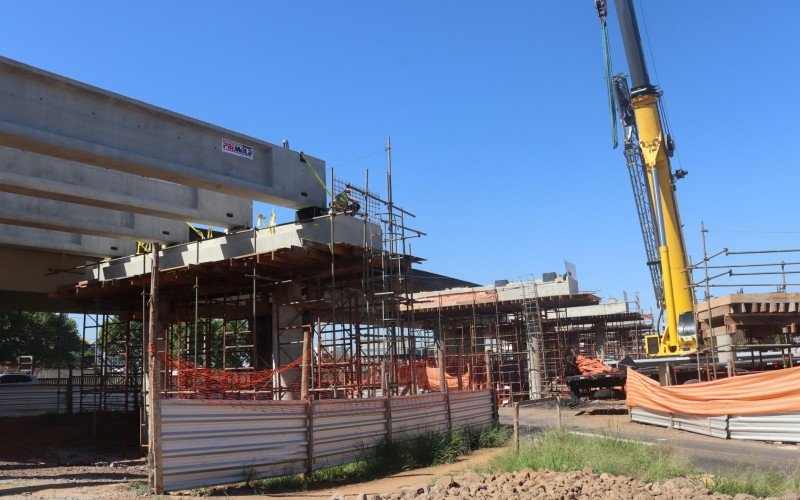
[{"x": 52, "y": 339}]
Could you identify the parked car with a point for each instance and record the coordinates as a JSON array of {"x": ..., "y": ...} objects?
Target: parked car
[{"x": 17, "y": 378}]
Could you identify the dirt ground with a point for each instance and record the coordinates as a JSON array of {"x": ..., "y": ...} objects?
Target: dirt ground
[{"x": 56, "y": 456}]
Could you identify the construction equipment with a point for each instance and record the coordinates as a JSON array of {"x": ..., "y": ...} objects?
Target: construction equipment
[{"x": 648, "y": 149}]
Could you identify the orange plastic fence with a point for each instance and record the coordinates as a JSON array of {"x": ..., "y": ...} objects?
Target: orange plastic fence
[
  {"x": 196, "y": 381},
  {"x": 428, "y": 378},
  {"x": 769, "y": 392}
]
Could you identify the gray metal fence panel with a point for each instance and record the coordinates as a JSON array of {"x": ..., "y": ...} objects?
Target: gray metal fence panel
[
  {"x": 785, "y": 427},
  {"x": 347, "y": 430},
  {"x": 31, "y": 400},
  {"x": 418, "y": 414},
  {"x": 209, "y": 442},
  {"x": 708, "y": 426},
  {"x": 471, "y": 409},
  {"x": 650, "y": 417}
]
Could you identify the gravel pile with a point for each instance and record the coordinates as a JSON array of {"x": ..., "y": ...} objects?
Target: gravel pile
[{"x": 528, "y": 483}]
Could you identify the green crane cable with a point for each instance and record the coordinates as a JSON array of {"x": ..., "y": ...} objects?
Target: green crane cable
[{"x": 609, "y": 83}]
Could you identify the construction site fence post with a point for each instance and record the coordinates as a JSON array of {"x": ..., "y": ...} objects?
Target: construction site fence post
[
  {"x": 310, "y": 440},
  {"x": 495, "y": 407},
  {"x": 387, "y": 401},
  {"x": 449, "y": 412},
  {"x": 558, "y": 412},
  {"x": 516, "y": 427},
  {"x": 69, "y": 391},
  {"x": 154, "y": 449}
]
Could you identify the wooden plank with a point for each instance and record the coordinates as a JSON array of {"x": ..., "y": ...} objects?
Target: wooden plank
[{"x": 156, "y": 472}]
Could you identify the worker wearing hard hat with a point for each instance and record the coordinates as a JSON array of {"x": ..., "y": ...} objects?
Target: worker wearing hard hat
[
  {"x": 570, "y": 370},
  {"x": 344, "y": 203}
]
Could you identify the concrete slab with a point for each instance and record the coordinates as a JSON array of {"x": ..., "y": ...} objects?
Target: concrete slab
[
  {"x": 31, "y": 174},
  {"x": 61, "y": 242},
  {"x": 512, "y": 291},
  {"x": 52, "y": 115},
  {"x": 70, "y": 217},
  {"x": 347, "y": 229},
  {"x": 609, "y": 308}
]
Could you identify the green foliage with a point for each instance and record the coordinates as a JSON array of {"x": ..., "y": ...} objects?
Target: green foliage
[
  {"x": 756, "y": 482},
  {"x": 563, "y": 451},
  {"x": 52, "y": 339},
  {"x": 389, "y": 458},
  {"x": 140, "y": 488}
]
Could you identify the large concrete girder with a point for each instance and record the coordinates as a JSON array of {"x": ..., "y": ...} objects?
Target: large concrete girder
[
  {"x": 22, "y": 210},
  {"x": 56, "y": 116},
  {"x": 347, "y": 229},
  {"x": 29, "y": 275},
  {"x": 62, "y": 242},
  {"x": 31, "y": 174}
]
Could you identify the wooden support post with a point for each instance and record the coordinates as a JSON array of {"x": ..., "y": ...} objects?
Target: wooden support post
[
  {"x": 516, "y": 427},
  {"x": 495, "y": 407},
  {"x": 156, "y": 472},
  {"x": 449, "y": 412},
  {"x": 310, "y": 439},
  {"x": 558, "y": 411},
  {"x": 488, "y": 361},
  {"x": 306, "y": 368},
  {"x": 442, "y": 377},
  {"x": 69, "y": 391},
  {"x": 385, "y": 384},
  {"x": 490, "y": 386},
  {"x": 461, "y": 361}
]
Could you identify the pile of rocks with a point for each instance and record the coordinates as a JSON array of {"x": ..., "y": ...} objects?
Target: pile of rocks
[{"x": 585, "y": 484}]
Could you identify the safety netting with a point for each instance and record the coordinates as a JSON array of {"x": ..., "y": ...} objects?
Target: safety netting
[
  {"x": 347, "y": 378},
  {"x": 189, "y": 380},
  {"x": 764, "y": 393}
]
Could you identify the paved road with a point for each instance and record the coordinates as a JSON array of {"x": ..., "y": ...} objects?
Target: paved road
[{"x": 707, "y": 453}]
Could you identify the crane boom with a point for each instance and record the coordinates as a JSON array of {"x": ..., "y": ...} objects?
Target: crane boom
[
  {"x": 655, "y": 147},
  {"x": 639, "y": 184}
]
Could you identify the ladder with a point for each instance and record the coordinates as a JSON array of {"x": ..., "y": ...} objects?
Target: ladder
[{"x": 534, "y": 337}]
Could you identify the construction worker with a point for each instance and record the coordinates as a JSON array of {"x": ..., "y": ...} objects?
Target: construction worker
[
  {"x": 344, "y": 203},
  {"x": 570, "y": 370}
]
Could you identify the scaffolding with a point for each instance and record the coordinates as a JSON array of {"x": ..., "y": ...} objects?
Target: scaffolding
[{"x": 318, "y": 320}]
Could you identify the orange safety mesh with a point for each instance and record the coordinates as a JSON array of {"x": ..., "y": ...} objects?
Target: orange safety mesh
[
  {"x": 428, "y": 377},
  {"x": 188, "y": 380},
  {"x": 764, "y": 393}
]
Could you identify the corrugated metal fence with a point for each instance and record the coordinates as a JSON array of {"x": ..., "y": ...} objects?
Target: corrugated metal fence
[
  {"x": 784, "y": 428},
  {"x": 27, "y": 400},
  {"x": 211, "y": 442}
]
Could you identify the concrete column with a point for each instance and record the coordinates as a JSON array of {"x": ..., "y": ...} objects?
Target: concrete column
[
  {"x": 724, "y": 344},
  {"x": 287, "y": 335},
  {"x": 600, "y": 340}
]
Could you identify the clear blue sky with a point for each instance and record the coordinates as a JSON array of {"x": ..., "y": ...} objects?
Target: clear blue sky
[{"x": 497, "y": 111}]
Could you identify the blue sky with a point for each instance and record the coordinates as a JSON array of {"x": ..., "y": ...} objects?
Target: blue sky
[{"x": 497, "y": 111}]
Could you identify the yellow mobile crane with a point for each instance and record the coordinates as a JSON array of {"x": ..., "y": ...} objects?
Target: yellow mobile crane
[{"x": 648, "y": 147}]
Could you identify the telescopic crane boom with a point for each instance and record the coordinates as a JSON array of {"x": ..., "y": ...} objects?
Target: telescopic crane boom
[{"x": 655, "y": 147}]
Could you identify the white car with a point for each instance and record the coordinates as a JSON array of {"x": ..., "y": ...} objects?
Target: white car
[{"x": 17, "y": 378}]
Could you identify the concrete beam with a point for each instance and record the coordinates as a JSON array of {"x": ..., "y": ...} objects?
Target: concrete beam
[
  {"x": 28, "y": 276},
  {"x": 49, "y": 114},
  {"x": 61, "y": 216},
  {"x": 31, "y": 174},
  {"x": 64, "y": 243},
  {"x": 347, "y": 229}
]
